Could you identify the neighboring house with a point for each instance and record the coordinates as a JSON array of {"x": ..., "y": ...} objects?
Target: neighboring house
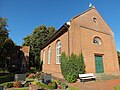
[
  {"x": 87, "y": 33},
  {"x": 20, "y": 60},
  {"x": 25, "y": 58}
]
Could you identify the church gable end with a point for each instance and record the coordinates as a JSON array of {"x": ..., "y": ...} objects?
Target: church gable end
[{"x": 92, "y": 20}]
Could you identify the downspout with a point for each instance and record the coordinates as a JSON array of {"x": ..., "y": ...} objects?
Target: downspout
[{"x": 67, "y": 25}]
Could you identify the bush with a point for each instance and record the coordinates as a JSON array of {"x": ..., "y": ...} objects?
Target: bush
[
  {"x": 64, "y": 85},
  {"x": 64, "y": 66},
  {"x": 47, "y": 87},
  {"x": 26, "y": 84},
  {"x": 71, "y": 77},
  {"x": 39, "y": 75},
  {"x": 3, "y": 71},
  {"x": 73, "y": 67},
  {"x": 54, "y": 85},
  {"x": 9, "y": 85},
  {"x": 6, "y": 78}
]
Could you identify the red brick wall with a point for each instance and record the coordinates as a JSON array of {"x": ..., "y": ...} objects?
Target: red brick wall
[
  {"x": 54, "y": 68},
  {"x": 82, "y": 31}
]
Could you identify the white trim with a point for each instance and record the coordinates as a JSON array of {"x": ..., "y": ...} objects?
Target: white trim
[
  {"x": 58, "y": 52},
  {"x": 49, "y": 55}
]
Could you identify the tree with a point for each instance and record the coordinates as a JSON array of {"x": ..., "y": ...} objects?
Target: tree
[
  {"x": 118, "y": 52},
  {"x": 39, "y": 36},
  {"x": 6, "y": 44},
  {"x": 3, "y": 30}
]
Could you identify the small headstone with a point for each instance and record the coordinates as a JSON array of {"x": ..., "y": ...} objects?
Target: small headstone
[
  {"x": 20, "y": 77},
  {"x": 47, "y": 78},
  {"x": 16, "y": 77},
  {"x": 1, "y": 88}
]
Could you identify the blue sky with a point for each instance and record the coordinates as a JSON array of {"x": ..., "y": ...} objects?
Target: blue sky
[{"x": 24, "y": 15}]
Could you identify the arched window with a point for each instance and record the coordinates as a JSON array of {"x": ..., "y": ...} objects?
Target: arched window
[
  {"x": 44, "y": 57},
  {"x": 97, "y": 41},
  {"x": 58, "y": 52},
  {"x": 49, "y": 54}
]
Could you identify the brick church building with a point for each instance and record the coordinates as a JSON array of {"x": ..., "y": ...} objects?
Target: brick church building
[{"x": 87, "y": 32}]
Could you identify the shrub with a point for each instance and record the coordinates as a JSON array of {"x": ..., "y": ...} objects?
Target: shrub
[
  {"x": 6, "y": 78},
  {"x": 54, "y": 85},
  {"x": 9, "y": 85},
  {"x": 73, "y": 67},
  {"x": 71, "y": 77},
  {"x": 64, "y": 85},
  {"x": 26, "y": 84},
  {"x": 47, "y": 87},
  {"x": 61, "y": 85},
  {"x": 39, "y": 75},
  {"x": 3, "y": 70},
  {"x": 63, "y": 64},
  {"x": 58, "y": 82},
  {"x": 80, "y": 64}
]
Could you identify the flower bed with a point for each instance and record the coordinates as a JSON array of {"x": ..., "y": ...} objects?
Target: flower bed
[{"x": 41, "y": 80}]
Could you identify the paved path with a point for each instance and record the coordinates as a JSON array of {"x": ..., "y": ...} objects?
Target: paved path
[{"x": 97, "y": 85}]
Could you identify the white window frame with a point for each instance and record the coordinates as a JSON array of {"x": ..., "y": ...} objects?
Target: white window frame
[
  {"x": 44, "y": 57},
  {"x": 58, "y": 52},
  {"x": 97, "y": 41},
  {"x": 49, "y": 55}
]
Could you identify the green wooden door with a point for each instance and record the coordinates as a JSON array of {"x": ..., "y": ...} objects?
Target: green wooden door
[{"x": 99, "y": 64}]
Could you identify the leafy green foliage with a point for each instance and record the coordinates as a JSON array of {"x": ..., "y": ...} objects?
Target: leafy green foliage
[
  {"x": 6, "y": 78},
  {"x": 64, "y": 85},
  {"x": 71, "y": 77},
  {"x": 6, "y": 44},
  {"x": 45, "y": 86},
  {"x": 118, "y": 52},
  {"x": 80, "y": 64},
  {"x": 73, "y": 67},
  {"x": 64, "y": 66},
  {"x": 54, "y": 85},
  {"x": 9, "y": 85},
  {"x": 39, "y": 36}
]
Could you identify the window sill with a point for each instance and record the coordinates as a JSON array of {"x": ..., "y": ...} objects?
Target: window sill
[{"x": 57, "y": 63}]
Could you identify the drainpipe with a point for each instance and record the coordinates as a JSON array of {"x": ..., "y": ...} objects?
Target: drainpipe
[{"x": 67, "y": 25}]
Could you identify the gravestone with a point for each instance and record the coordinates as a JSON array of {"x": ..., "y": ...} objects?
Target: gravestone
[
  {"x": 20, "y": 77},
  {"x": 47, "y": 78},
  {"x": 1, "y": 88}
]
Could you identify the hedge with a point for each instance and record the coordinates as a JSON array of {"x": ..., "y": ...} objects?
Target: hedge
[{"x": 6, "y": 78}]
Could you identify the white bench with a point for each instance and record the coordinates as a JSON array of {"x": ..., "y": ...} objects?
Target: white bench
[{"x": 88, "y": 76}]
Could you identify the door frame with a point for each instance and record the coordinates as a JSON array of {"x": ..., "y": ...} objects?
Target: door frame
[{"x": 102, "y": 55}]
